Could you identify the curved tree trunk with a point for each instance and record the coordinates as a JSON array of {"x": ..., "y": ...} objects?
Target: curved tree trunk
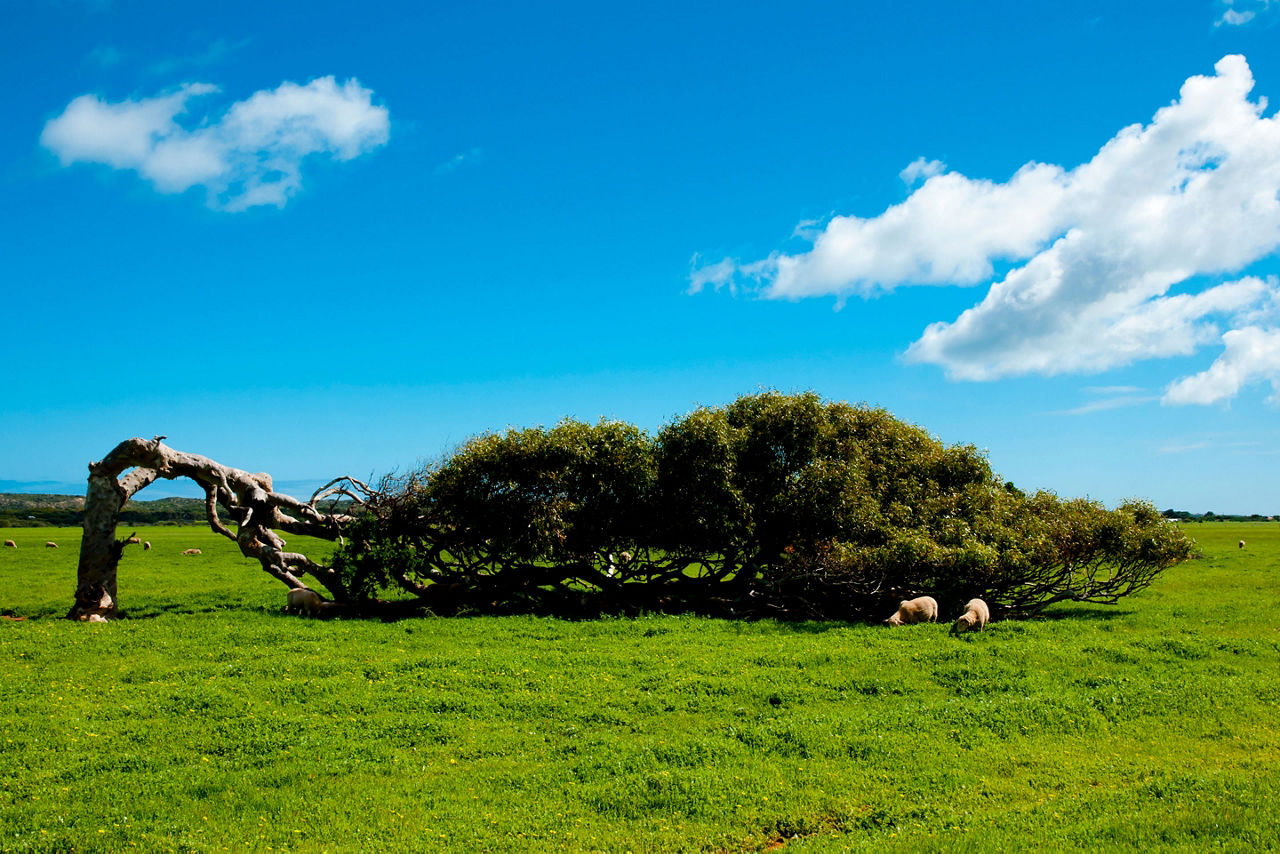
[{"x": 257, "y": 511}]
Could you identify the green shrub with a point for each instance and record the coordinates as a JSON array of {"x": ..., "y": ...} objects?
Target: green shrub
[{"x": 775, "y": 505}]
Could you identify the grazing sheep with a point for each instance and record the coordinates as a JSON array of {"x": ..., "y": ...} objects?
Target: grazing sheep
[
  {"x": 50, "y": 544},
  {"x": 10, "y": 544},
  {"x": 134, "y": 540},
  {"x": 919, "y": 610},
  {"x": 303, "y": 600},
  {"x": 192, "y": 552},
  {"x": 615, "y": 562},
  {"x": 1242, "y": 544},
  {"x": 146, "y": 547},
  {"x": 976, "y": 616},
  {"x": 105, "y": 604}
]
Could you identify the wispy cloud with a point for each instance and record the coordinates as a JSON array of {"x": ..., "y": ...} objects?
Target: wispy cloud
[
  {"x": 716, "y": 275},
  {"x": 921, "y": 169},
  {"x": 247, "y": 155},
  {"x": 1183, "y": 448},
  {"x": 1236, "y": 13},
  {"x": 1108, "y": 403},
  {"x": 1112, "y": 389},
  {"x": 218, "y": 52},
  {"x": 471, "y": 157},
  {"x": 1096, "y": 248},
  {"x": 104, "y": 56},
  {"x": 1191, "y": 445}
]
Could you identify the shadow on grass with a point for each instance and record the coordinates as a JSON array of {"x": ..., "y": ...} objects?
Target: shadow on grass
[{"x": 1079, "y": 612}]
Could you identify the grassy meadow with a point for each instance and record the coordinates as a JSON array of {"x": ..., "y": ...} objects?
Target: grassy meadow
[{"x": 209, "y": 721}]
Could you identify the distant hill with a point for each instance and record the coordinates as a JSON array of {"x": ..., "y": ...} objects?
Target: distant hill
[{"x": 19, "y": 510}]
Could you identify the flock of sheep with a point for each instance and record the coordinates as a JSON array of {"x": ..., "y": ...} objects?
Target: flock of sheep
[
  {"x": 924, "y": 609},
  {"x": 50, "y": 544}
]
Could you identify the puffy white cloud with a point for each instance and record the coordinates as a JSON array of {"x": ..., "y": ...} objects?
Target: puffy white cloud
[
  {"x": 249, "y": 155},
  {"x": 1250, "y": 355},
  {"x": 1192, "y": 195},
  {"x": 947, "y": 232}
]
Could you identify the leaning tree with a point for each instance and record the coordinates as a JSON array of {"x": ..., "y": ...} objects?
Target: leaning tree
[{"x": 247, "y": 499}]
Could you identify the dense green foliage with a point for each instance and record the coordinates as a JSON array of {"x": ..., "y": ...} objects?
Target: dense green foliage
[
  {"x": 208, "y": 720},
  {"x": 775, "y": 505}
]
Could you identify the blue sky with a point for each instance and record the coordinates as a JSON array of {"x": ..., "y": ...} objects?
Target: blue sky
[{"x": 320, "y": 239}]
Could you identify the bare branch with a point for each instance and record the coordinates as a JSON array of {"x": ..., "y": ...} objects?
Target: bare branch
[
  {"x": 248, "y": 497},
  {"x": 211, "y": 512}
]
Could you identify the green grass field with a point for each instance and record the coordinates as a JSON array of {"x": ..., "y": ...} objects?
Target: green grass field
[{"x": 210, "y": 721}]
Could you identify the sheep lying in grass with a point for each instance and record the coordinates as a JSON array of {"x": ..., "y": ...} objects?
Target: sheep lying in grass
[
  {"x": 919, "y": 610},
  {"x": 975, "y": 617},
  {"x": 305, "y": 601},
  {"x": 192, "y": 552},
  {"x": 10, "y": 544},
  {"x": 50, "y": 544}
]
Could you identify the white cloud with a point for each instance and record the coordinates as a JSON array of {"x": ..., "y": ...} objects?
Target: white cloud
[
  {"x": 1239, "y": 12},
  {"x": 921, "y": 169},
  {"x": 1250, "y": 355},
  {"x": 716, "y": 275},
  {"x": 1097, "y": 248},
  {"x": 249, "y": 155}
]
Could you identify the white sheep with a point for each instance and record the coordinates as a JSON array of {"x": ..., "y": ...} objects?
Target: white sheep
[
  {"x": 615, "y": 561},
  {"x": 1242, "y": 544},
  {"x": 976, "y": 616},
  {"x": 50, "y": 544},
  {"x": 146, "y": 546},
  {"x": 10, "y": 544},
  {"x": 192, "y": 552},
  {"x": 919, "y": 610},
  {"x": 303, "y": 600}
]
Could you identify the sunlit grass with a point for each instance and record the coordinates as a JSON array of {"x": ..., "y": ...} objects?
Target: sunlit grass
[{"x": 210, "y": 720}]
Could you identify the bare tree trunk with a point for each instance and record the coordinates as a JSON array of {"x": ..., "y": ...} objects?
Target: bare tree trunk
[{"x": 257, "y": 511}]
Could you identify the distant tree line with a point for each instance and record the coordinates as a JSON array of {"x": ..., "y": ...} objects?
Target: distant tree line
[
  {"x": 23, "y": 511},
  {"x": 1210, "y": 516},
  {"x": 774, "y": 505}
]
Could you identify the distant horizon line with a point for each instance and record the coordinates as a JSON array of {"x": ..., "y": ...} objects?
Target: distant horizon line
[
  {"x": 183, "y": 488},
  {"x": 178, "y": 488}
]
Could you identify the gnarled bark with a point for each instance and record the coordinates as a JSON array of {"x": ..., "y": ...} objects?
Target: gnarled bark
[{"x": 256, "y": 510}]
